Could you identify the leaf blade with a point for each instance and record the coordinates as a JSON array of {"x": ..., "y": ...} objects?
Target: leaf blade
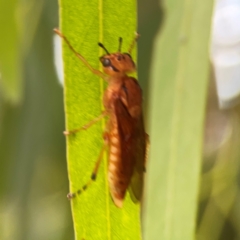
[
  {"x": 94, "y": 214},
  {"x": 179, "y": 96}
]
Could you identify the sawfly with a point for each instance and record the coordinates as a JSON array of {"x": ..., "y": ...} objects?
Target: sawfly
[{"x": 124, "y": 136}]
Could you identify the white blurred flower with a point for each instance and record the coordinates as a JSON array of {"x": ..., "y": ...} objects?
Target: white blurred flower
[{"x": 225, "y": 51}]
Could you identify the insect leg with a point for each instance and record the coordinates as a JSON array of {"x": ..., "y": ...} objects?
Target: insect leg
[
  {"x": 133, "y": 42},
  {"x": 93, "y": 175},
  {"x": 94, "y": 71},
  {"x": 88, "y": 125}
]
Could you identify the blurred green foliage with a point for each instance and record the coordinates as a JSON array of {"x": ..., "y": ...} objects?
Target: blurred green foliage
[
  {"x": 34, "y": 183},
  {"x": 33, "y": 175},
  {"x": 177, "y": 112}
]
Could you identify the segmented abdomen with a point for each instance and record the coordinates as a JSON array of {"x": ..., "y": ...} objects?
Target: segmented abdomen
[{"x": 118, "y": 183}]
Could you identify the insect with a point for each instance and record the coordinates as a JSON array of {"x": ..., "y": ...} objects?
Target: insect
[{"x": 124, "y": 136}]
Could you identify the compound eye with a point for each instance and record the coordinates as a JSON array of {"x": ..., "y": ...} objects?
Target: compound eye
[{"x": 106, "y": 62}]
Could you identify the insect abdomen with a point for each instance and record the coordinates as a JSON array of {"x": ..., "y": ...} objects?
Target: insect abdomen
[{"x": 117, "y": 182}]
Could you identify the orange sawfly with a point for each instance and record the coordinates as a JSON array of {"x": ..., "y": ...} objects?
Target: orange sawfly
[{"x": 124, "y": 135}]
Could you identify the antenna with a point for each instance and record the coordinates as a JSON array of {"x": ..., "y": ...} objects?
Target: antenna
[
  {"x": 102, "y": 46},
  {"x": 120, "y": 44}
]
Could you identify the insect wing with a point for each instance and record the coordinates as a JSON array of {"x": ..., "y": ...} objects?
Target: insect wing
[
  {"x": 132, "y": 138},
  {"x": 125, "y": 124},
  {"x": 137, "y": 180}
]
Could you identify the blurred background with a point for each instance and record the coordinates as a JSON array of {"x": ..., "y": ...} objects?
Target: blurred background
[
  {"x": 34, "y": 184},
  {"x": 33, "y": 170}
]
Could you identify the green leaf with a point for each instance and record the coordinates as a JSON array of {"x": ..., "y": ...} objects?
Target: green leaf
[
  {"x": 85, "y": 23},
  {"x": 179, "y": 90}
]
